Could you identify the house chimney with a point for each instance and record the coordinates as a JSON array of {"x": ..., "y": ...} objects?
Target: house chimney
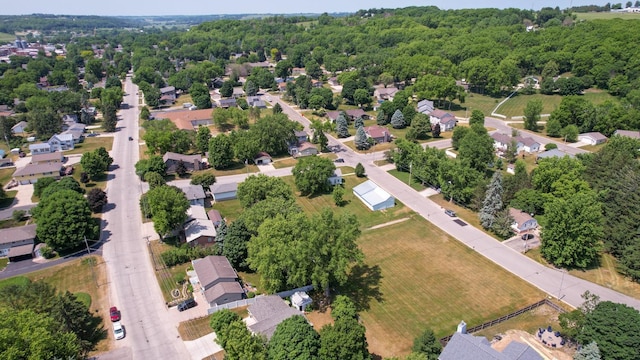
[{"x": 462, "y": 327}]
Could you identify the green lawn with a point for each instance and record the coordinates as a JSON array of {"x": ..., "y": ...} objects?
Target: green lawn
[
  {"x": 607, "y": 16},
  {"x": 100, "y": 182},
  {"x": 9, "y": 223},
  {"x": 16, "y": 280},
  {"x": 164, "y": 275},
  {"x": 6, "y": 175},
  {"x": 3, "y": 264},
  {"x": 474, "y": 102},
  {"x": 5, "y": 37},
  {"x": 515, "y": 106},
  {"x": 404, "y": 177},
  {"x": 92, "y": 143},
  {"x": 418, "y": 277},
  {"x": 231, "y": 209}
]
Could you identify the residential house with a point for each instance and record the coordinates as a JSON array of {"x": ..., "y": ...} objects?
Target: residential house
[
  {"x": 217, "y": 280},
  {"x": 301, "y": 136},
  {"x": 463, "y": 346},
  {"x": 425, "y": 107},
  {"x": 48, "y": 158},
  {"x": 522, "y": 221},
  {"x": 635, "y": 134},
  {"x": 197, "y": 211},
  {"x": 592, "y": 138},
  {"x": 552, "y": 153},
  {"x": 316, "y": 83},
  {"x": 76, "y": 130},
  {"x": 60, "y": 142},
  {"x": 68, "y": 120},
  {"x": 333, "y": 81},
  {"x": 187, "y": 119},
  {"x": 256, "y": 101},
  {"x": 227, "y": 103},
  {"x": 191, "y": 162},
  {"x": 501, "y": 141},
  {"x": 336, "y": 178},
  {"x": 20, "y": 127},
  {"x": 221, "y": 192},
  {"x": 374, "y": 197},
  {"x": 18, "y": 241},
  {"x": 267, "y": 312},
  {"x": 379, "y": 134},
  {"x": 194, "y": 193},
  {"x": 297, "y": 71},
  {"x": 446, "y": 120},
  {"x": 168, "y": 95},
  {"x": 282, "y": 86},
  {"x": 215, "y": 217},
  {"x": 5, "y": 161},
  {"x": 238, "y": 92},
  {"x": 528, "y": 144},
  {"x": 303, "y": 149},
  {"x": 40, "y": 148},
  {"x": 30, "y": 173},
  {"x": 262, "y": 158},
  {"x": 351, "y": 114},
  {"x": 384, "y": 93},
  {"x": 199, "y": 232}
]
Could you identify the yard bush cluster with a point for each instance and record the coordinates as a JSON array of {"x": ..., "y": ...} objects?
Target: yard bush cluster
[{"x": 186, "y": 253}]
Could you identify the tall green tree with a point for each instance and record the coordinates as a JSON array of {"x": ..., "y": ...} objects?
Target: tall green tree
[
  {"x": 294, "y": 339},
  {"x": 345, "y": 339},
  {"x": 360, "y": 139},
  {"x": 427, "y": 344},
  {"x": 397, "y": 120},
  {"x": 259, "y": 187},
  {"x": 202, "y": 139},
  {"x": 64, "y": 219},
  {"x": 311, "y": 174},
  {"x": 615, "y": 328},
  {"x": 200, "y": 95},
  {"x": 342, "y": 127},
  {"x": 492, "y": 203},
  {"x": 220, "y": 151},
  {"x": 589, "y": 351},
  {"x": 477, "y": 117},
  {"x": 572, "y": 230},
  {"x": 205, "y": 179},
  {"x": 168, "y": 208},
  {"x": 476, "y": 148},
  {"x": 532, "y": 114}
]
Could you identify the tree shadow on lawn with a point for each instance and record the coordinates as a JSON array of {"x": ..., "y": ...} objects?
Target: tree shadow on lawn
[{"x": 363, "y": 286}]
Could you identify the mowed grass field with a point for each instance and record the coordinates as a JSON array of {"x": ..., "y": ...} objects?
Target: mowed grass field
[
  {"x": 515, "y": 106},
  {"x": 428, "y": 279},
  {"x": 607, "y": 16},
  {"x": 5, "y": 38}
]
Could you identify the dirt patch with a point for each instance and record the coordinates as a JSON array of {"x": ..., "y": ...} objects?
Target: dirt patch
[
  {"x": 529, "y": 339},
  {"x": 319, "y": 319}
]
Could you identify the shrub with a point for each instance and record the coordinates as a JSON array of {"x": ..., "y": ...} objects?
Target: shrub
[
  {"x": 251, "y": 295},
  {"x": 18, "y": 215},
  {"x": 47, "y": 252},
  {"x": 186, "y": 253}
]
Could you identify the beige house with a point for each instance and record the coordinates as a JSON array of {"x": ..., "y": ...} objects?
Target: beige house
[
  {"x": 217, "y": 279},
  {"x": 32, "y": 172},
  {"x": 17, "y": 241}
]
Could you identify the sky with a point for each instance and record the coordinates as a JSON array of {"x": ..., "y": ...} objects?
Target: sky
[{"x": 211, "y": 7}]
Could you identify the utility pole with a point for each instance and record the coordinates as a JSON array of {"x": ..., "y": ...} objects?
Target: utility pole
[
  {"x": 410, "y": 169},
  {"x": 91, "y": 262}
]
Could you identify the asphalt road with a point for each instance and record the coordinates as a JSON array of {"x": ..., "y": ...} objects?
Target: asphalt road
[
  {"x": 132, "y": 283},
  {"x": 556, "y": 283}
]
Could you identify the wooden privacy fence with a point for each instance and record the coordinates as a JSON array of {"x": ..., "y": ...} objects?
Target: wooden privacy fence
[{"x": 504, "y": 318}]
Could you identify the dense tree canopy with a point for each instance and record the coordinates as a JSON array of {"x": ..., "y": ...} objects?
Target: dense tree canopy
[
  {"x": 167, "y": 206},
  {"x": 311, "y": 174}
]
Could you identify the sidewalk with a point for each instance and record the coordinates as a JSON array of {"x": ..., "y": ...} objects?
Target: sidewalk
[{"x": 203, "y": 347}]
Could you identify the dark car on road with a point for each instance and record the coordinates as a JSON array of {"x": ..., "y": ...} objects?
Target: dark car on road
[
  {"x": 187, "y": 304},
  {"x": 338, "y": 160},
  {"x": 527, "y": 237}
]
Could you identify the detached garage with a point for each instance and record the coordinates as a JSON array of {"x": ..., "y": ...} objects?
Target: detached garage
[
  {"x": 221, "y": 192},
  {"x": 373, "y": 196}
]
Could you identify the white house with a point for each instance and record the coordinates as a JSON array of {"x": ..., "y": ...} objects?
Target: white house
[
  {"x": 336, "y": 178},
  {"x": 527, "y": 144},
  {"x": 373, "y": 196},
  {"x": 446, "y": 120},
  {"x": 522, "y": 221},
  {"x": 19, "y": 127},
  {"x": 592, "y": 138},
  {"x": 40, "y": 148},
  {"x": 60, "y": 142},
  {"x": 222, "y": 192}
]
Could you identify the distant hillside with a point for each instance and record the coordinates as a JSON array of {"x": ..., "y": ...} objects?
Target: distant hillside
[{"x": 47, "y": 22}]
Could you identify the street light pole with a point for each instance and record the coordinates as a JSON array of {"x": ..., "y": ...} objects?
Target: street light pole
[
  {"x": 410, "y": 169},
  {"x": 561, "y": 281}
]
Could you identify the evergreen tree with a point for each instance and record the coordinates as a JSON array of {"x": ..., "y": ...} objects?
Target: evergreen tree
[
  {"x": 492, "y": 201},
  {"x": 221, "y": 234},
  {"x": 358, "y": 123},
  {"x": 397, "y": 120},
  {"x": 360, "y": 139},
  {"x": 427, "y": 344},
  {"x": 277, "y": 109},
  {"x": 360, "y": 170},
  {"x": 588, "y": 352},
  {"x": 342, "y": 127},
  {"x": 435, "y": 131},
  {"x": 381, "y": 118},
  {"x": 321, "y": 139}
]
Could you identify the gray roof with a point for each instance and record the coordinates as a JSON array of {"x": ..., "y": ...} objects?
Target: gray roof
[
  {"x": 20, "y": 124},
  {"x": 214, "y": 215},
  {"x": 46, "y": 157},
  {"x": 269, "y": 311},
  {"x": 222, "y": 188},
  {"x": 371, "y": 193},
  {"x": 193, "y": 192},
  {"x": 594, "y": 135},
  {"x": 213, "y": 268},
  {"x": 21, "y": 250},
  {"x": 220, "y": 289},
  {"x": 469, "y": 347},
  {"x": 199, "y": 227},
  {"x": 178, "y": 157},
  {"x": 20, "y": 233},
  {"x": 628, "y": 133},
  {"x": 33, "y": 169},
  {"x": 553, "y": 153}
]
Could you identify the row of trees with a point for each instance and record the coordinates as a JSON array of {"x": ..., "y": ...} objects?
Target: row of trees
[{"x": 40, "y": 323}]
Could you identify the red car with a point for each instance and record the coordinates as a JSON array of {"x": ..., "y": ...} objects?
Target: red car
[{"x": 115, "y": 314}]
